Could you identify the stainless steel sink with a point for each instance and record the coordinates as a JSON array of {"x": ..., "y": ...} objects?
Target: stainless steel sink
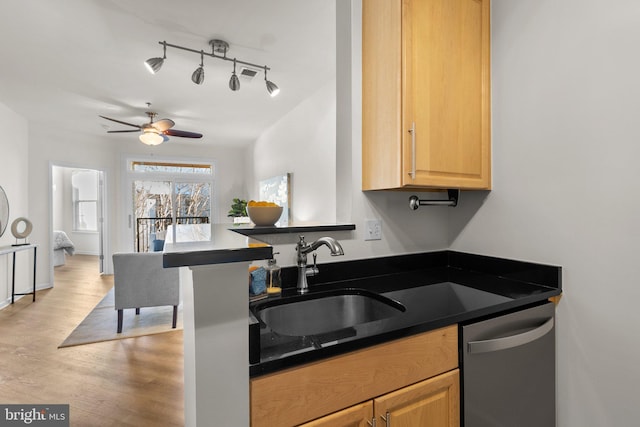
[{"x": 324, "y": 312}]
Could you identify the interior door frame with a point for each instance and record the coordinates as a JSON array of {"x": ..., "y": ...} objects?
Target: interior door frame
[{"x": 105, "y": 264}]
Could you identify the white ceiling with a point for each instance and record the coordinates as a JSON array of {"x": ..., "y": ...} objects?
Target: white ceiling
[{"x": 64, "y": 62}]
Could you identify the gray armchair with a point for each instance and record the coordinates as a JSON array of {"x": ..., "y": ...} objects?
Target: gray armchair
[{"x": 141, "y": 281}]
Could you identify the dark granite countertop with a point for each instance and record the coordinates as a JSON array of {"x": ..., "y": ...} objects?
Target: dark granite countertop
[
  {"x": 212, "y": 244},
  {"x": 254, "y": 230},
  {"x": 206, "y": 244},
  {"x": 437, "y": 289}
]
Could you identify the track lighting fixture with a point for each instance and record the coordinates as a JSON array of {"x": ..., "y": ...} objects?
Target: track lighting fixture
[
  {"x": 198, "y": 75},
  {"x": 154, "y": 64},
  {"x": 219, "y": 49}
]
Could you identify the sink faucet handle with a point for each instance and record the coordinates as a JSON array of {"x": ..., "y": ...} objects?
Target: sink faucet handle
[{"x": 312, "y": 271}]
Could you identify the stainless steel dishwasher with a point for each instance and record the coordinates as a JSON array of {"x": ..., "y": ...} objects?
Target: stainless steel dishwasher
[{"x": 509, "y": 370}]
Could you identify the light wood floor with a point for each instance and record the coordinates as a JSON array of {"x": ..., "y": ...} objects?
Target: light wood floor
[{"x": 129, "y": 382}]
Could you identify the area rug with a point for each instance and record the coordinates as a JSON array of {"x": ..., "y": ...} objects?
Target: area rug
[{"x": 101, "y": 323}]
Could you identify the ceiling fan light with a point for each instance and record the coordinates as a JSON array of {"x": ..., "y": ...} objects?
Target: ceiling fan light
[
  {"x": 198, "y": 76},
  {"x": 272, "y": 88},
  {"x": 152, "y": 138},
  {"x": 154, "y": 64}
]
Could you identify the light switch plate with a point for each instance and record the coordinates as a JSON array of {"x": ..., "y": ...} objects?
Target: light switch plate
[{"x": 373, "y": 229}]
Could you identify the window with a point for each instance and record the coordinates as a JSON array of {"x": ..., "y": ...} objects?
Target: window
[
  {"x": 165, "y": 193},
  {"x": 179, "y": 168},
  {"x": 84, "y": 184}
]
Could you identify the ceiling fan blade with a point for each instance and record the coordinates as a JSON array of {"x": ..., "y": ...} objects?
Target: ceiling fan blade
[
  {"x": 182, "y": 133},
  {"x": 163, "y": 124},
  {"x": 122, "y": 131},
  {"x": 121, "y": 122}
]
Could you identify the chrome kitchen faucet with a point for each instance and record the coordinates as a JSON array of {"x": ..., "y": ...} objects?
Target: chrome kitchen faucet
[{"x": 303, "y": 248}]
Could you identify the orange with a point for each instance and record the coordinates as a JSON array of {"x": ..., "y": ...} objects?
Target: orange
[{"x": 253, "y": 203}]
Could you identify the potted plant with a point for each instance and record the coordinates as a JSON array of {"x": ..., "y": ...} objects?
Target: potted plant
[{"x": 238, "y": 212}]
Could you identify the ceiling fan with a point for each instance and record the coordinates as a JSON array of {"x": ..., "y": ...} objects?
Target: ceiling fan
[{"x": 154, "y": 133}]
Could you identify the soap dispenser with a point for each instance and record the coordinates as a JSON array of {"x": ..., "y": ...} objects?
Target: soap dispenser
[{"x": 274, "y": 281}]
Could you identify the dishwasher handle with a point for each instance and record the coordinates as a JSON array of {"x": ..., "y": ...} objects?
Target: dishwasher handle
[{"x": 475, "y": 347}]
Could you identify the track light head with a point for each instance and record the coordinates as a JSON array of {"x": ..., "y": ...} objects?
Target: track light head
[
  {"x": 234, "y": 83},
  {"x": 154, "y": 64},
  {"x": 272, "y": 88},
  {"x": 198, "y": 75}
]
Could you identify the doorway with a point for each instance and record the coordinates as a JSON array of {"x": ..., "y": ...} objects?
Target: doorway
[{"x": 77, "y": 213}]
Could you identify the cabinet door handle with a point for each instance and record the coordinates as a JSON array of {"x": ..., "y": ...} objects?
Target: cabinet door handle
[
  {"x": 386, "y": 419},
  {"x": 497, "y": 344},
  {"x": 372, "y": 423},
  {"x": 412, "y": 131}
]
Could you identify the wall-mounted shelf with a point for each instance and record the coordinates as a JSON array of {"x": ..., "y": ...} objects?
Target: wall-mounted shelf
[{"x": 252, "y": 230}]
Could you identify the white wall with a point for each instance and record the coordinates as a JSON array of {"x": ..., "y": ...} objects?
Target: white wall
[
  {"x": 303, "y": 143},
  {"x": 566, "y": 144},
  {"x": 107, "y": 153},
  {"x": 14, "y": 178}
]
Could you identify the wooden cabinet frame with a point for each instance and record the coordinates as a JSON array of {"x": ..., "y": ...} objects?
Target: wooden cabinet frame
[
  {"x": 433, "y": 402},
  {"x": 298, "y": 395},
  {"x": 426, "y": 94}
]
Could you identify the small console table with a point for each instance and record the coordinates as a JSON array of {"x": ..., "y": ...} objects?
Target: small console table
[{"x": 12, "y": 250}]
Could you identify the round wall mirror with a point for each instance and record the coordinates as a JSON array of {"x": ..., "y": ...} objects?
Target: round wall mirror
[{"x": 4, "y": 211}]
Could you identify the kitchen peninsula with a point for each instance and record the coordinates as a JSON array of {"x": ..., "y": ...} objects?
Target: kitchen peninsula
[
  {"x": 217, "y": 371},
  {"x": 216, "y": 344}
]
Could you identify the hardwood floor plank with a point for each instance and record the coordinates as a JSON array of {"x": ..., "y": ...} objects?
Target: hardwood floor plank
[{"x": 129, "y": 382}]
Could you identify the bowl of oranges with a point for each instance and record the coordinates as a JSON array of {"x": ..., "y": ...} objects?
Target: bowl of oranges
[{"x": 263, "y": 213}]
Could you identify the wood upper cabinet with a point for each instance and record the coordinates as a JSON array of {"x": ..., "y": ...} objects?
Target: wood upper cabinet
[{"x": 426, "y": 94}]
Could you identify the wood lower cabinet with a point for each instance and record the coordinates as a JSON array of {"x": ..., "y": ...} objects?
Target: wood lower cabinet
[
  {"x": 298, "y": 395},
  {"x": 434, "y": 403},
  {"x": 426, "y": 94},
  {"x": 355, "y": 416}
]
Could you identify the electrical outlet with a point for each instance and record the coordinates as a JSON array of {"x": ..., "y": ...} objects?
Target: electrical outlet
[{"x": 373, "y": 229}]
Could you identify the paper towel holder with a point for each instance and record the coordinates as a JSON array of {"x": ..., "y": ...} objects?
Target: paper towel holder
[{"x": 454, "y": 195}]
